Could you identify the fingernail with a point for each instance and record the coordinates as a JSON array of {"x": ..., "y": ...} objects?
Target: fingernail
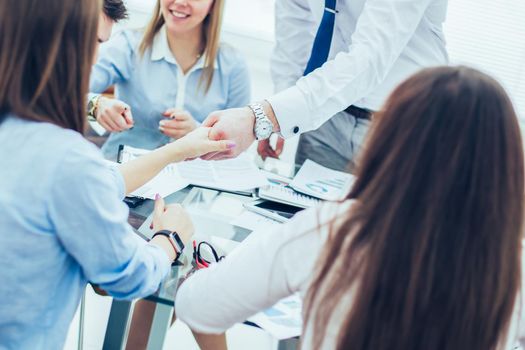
[
  {"x": 157, "y": 196},
  {"x": 162, "y": 122},
  {"x": 231, "y": 145},
  {"x": 151, "y": 227}
]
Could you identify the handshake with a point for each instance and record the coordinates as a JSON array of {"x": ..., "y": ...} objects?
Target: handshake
[{"x": 224, "y": 134}]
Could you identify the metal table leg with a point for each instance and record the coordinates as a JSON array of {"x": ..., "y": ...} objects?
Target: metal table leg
[
  {"x": 288, "y": 344},
  {"x": 159, "y": 327},
  {"x": 81, "y": 321},
  {"x": 118, "y": 325}
]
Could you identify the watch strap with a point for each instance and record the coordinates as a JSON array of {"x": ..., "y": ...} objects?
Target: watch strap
[
  {"x": 258, "y": 110},
  {"x": 174, "y": 240}
]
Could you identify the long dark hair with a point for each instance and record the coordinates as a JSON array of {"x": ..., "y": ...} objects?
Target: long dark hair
[
  {"x": 46, "y": 53},
  {"x": 432, "y": 248}
]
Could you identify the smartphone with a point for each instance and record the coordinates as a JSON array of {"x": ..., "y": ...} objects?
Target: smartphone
[{"x": 277, "y": 211}]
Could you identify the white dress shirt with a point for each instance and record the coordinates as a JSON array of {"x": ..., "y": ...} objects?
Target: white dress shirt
[
  {"x": 376, "y": 45},
  {"x": 269, "y": 266}
]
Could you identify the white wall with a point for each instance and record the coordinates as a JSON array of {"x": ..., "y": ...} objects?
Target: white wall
[{"x": 490, "y": 35}]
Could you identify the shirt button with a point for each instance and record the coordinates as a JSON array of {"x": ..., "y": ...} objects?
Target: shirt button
[{"x": 296, "y": 130}]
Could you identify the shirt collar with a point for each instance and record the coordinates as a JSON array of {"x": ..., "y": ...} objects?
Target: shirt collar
[{"x": 160, "y": 50}]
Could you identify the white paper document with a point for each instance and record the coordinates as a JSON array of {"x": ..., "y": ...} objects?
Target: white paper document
[
  {"x": 253, "y": 221},
  {"x": 320, "y": 182},
  {"x": 166, "y": 182},
  {"x": 239, "y": 174},
  {"x": 283, "y": 320},
  {"x": 279, "y": 190}
]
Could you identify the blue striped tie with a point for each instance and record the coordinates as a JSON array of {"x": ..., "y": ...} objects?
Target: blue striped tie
[{"x": 323, "y": 38}]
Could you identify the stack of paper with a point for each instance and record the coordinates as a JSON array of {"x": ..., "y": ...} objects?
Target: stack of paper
[
  {"x": 239, "y": 174},
  {"x": 320, "y": 182}
]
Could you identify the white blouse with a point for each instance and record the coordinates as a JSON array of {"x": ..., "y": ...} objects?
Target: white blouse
[{"x": 266, "y": 267}]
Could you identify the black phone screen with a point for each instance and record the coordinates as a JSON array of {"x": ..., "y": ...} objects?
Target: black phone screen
[{"x": 281, "y": 209}]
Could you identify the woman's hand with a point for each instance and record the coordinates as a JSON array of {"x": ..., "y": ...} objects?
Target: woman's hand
[
  {"x": 177, "y": 124},
  {"x": 172, "y": 218},
  {"x": 197, "y": 143},
  {"x": 114, "y": 115}
]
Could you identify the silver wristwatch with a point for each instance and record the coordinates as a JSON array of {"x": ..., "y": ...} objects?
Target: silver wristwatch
[{"x": 263, "y": 126}]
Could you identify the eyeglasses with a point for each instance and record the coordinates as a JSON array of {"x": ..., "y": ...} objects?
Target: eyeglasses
[{"x": 204, "y": 254}]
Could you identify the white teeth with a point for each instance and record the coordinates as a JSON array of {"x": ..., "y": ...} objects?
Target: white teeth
[{"x": 179, "y": 14}]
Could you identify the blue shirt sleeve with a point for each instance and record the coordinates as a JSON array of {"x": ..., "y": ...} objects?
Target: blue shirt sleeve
[
  {"x": 239, "y": 93},
  {"x": 115, "y": 61},
  {"x": 90, "y": 221}
]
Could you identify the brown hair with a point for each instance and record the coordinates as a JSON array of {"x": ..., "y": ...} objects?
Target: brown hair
[
  {"x": 432, "y": 248},
  {"x": 211, "y": 28},
  {"x": 115, "y": 10},
  {"x": 46, "y": 53}
]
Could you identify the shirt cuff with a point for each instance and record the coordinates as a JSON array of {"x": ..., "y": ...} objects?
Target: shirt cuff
[{"x": 291, "y": 112}]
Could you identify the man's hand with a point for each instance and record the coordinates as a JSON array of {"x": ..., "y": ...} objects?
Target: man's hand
[
  {"x": 231, "y": 124},
  {"x": 114, "y": 115},
  {"x": 178, "y": 123},
  {"x": 266, "y": 150}
]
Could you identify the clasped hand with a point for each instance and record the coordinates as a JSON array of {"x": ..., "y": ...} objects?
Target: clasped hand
[
  {"x": 177, "y": 124},
  {"x": 234, "y": 124}
]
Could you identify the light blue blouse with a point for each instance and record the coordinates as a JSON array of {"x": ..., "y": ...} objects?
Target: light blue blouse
[
  {"x": 62, "y": 224},
  {"x": 154, "y": 83}
]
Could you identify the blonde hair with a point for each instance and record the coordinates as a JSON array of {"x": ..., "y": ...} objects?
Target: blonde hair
[{"x": 212, "y": 27}]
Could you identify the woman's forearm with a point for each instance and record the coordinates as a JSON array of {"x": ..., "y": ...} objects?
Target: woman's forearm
[{"x": 139, "y": 171}]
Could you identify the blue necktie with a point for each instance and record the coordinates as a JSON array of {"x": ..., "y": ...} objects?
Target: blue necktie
[{"x": 323, "y": 38}]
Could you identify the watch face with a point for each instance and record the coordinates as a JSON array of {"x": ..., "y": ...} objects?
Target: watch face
[{"x": 263, "y": 129}]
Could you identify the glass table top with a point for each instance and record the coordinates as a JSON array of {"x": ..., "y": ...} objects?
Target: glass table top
[{"x": 211, "y": 212}]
